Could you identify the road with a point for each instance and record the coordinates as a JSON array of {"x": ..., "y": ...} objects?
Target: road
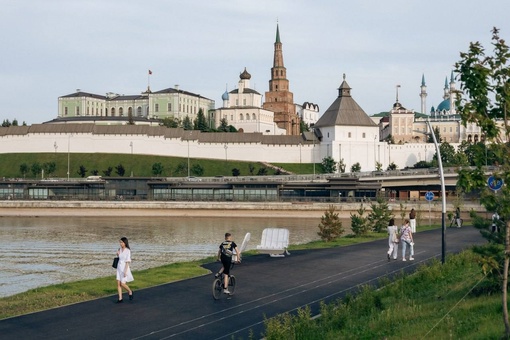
[{"x": 266, "y": 287}]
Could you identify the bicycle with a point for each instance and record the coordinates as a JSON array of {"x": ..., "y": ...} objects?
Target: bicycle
[
  {"x": 217, "y": 287},
  {"x": 453, "y": 222}
]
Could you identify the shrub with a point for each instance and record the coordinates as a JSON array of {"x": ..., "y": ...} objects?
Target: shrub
[{"x": 330, "y": 227}]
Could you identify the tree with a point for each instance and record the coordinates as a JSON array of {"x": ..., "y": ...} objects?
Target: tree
[
  {"x": 262, "y": 172},
  {"x": 303, "y": 127},
  {"x": 6, "y": 123},
  {"x": 223, "y": 125},
  {"x": 359, "y": 223},
  {"x": 341, "y": 166},
  {"x": 236, "y": 172},
  {"x": 380, "y": 215},
  {"x": 170, "y": 122},
  {"x": 130, "y": 119},
  {"x": 119, "y": 170},
  {"x": 328, "y": 165},
  {"x": 251, "y": 168},
  {"x": 485, "y": 82},
  {"x": 94, "y": 172},
  {"x": 378, "y": 166},
  {"x": 24, "y": 168},
  {"x": 15, "y": 122},
  {"x": 49, "y": 168},
  {"x": 108, "y": 172},
  {"x": 157, "y": 169},
  {"x": 197, "y": 170},
  {"x": 187, "y": 124},
  {"x": 82, "y": 171},
  {"x": 36, "y": 169},
  {"x": 392, "y": 166},
  {"x": 200, "y": 122},
  {"x": 330, "y": 227},
  {"x": 356, "y": 167}
]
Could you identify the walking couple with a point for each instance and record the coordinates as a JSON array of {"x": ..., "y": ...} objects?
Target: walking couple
[{"x": 405, "y": 236}]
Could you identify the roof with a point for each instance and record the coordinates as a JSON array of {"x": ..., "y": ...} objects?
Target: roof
[
  {"x": 84, "y": 94},
  {"x": 245, "y": 90},
  {"x": 344, "y": 111}
]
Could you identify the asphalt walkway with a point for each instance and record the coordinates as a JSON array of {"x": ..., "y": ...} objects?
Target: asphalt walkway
[{"x": 266, "y": 287}]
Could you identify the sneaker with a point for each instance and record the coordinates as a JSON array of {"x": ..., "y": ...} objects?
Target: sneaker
[
  {"x": 226, "y": 291},
  {"x": 411, "y": 258},
  {"x": 217, "y": 275},
  {"x": 388, "y": 256},
  {"x": 131, "y": 296},
  {"x": 404, "y": 259}
]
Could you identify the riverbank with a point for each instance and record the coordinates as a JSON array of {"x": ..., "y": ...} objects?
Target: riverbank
[{"x": 209, "y": 209}]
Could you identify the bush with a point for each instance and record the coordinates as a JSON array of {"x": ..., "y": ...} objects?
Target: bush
[
  {"x": 359, "y": 224},
  {"x": 330, "y": 227}
]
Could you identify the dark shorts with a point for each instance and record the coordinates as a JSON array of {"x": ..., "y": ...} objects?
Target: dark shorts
[{"x": 227, "y": 263}]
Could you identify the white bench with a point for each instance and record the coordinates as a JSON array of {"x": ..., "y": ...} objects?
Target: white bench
[{"x": 274, "y": 242}]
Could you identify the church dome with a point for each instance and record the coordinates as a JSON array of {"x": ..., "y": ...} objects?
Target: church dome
[
  {"x": 444, "y": 105},
  {"x": 245, "y": 75},
  {"x": 225, "y": 96}
]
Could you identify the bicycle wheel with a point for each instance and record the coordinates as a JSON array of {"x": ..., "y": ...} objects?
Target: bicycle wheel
[
  {"x": 217, "y": 289},
  {"x": 232, "y": 284}
]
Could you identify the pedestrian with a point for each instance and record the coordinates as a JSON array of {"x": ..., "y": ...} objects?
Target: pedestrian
[
  {"x": 124, "y": 269},
  {"x": 458, "y": 220},
  {"x": 393, "y": 240},
  {"x": 495, "y": 222},
  {"x": 225, "y": 252},
  {"x": 412, "y": 220},
  {"x": 406, "y": 236}
]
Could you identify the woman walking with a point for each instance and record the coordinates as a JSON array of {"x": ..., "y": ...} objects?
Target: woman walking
[
  {"x": 123, "y": 269},
  {"x": 407, "y": 240},
  {"x": 392, "y": 239}
]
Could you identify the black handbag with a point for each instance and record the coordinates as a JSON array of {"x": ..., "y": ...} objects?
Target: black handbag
[{"x": 115, "y": 262}]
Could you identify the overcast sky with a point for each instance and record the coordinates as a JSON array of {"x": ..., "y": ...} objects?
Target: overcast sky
[{"x": 50, "y": 48}]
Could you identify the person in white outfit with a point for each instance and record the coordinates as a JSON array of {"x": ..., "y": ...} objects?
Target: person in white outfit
[
  {"x": 392, "y": 239},
  {"x": 123, "y": 269},
  {"x": 406, "y": 236},
  {"x": 412, "y": 220}
]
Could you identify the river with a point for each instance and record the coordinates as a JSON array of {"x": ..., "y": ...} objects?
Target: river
[{"x": 41, "y": 251}]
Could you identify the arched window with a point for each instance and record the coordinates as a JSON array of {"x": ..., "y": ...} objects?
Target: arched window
[
  {"x": 121, "y": 111},
  {"x": 241, "y": 116},
  {"x": 139, "y": 111},
  {"x": 106, "y": 112},
  {"x": 113, "y": 112},
  {"x": 254, "y": 116},
  {"x": 130, "y": 110},
  {"x": 247, "y": 116}
]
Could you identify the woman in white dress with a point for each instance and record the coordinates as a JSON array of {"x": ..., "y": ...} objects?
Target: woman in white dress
[
  {"x": 123, "y": 269},
  {"x": 392, "y": 239}
]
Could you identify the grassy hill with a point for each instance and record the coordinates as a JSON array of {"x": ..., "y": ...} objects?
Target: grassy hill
[{"x": 136, "y": 165}]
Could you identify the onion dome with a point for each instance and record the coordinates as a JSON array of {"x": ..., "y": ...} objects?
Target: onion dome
[{"x": 245, "y": 75}]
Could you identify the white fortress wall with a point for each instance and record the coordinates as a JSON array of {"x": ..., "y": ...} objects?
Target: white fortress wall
[{"x": 405, "y": 155}]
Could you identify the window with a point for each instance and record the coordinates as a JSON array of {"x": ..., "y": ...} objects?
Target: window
[
  {"x": 254, "y": 117},
  {"x": 276, "y": 87},
  {"x": 244, "y": 102},
  {"x": 241, "y": 116},
  {"x": 77, "y": 110},
  {"x": 237, "y": 102},
  {"x": 247, "y": 116},
  {"x": 121, "y": 111},
  {"x": 139, "y": 111},
  {"x": 364, "y": 135},
  {"x": 113, "y": 112},
  {"x": 349, "y": 135},
  {"x": 156, "y": 107},
  {"x": 65, "y": 111},
  {"x": 169, "y": 108}
]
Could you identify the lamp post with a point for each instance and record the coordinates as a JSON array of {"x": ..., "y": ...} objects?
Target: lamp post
[
  {"x": 443, "y": 193},
  {"x": 131, "y": 145},
  {"x": 55, "y": 146},
  {"x": 188, "y": 160},
  {"x": 68, "y": 155}
]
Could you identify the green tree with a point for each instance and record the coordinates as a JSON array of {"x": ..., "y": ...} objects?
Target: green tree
[
  {"x": 82, "y": 171},
  {"x": 392, "y": 166},
  {"x": 485, "y": 84},
  {"x": 330, "y": 227},
  {"x": 187, "y": 124},
  {"x": 120, "y": 170},
  {"x": 378, "y": 166},
  {"x": 49, "y": 168},
  {"x": 157, "y": 169},
  {"x": 303, "y": 127},
  {"x": 328, "y": 165},
  {"x": 15, "y": 122},
  {"x": 108, "y": 172},
  {"x": 170, "y": 122},
  {"x": 236, "y": 172},
  {"x": 24, "y": 168},
  {"x": 359, "y": 223},
  {"x": 181, "y": 169},
  {"x": 200, "y": 122},
  {"x": 197, "y": 170},
  {"x": 6, "y": 123},
  {"x": 94, "y": 172},
  {"x": 380, "y": 214},
  {"x": 251, "y": 168},
  {"x": 262, "y": 172},
  {"x": 447, "y": 154},
  {"x": 130, "y": 119},
  {"x": 438, "y": 136},
  {"x": 356, "y": 167},
  {"x": 223, "y": 125},
  {"x": 36, "y": 169}
]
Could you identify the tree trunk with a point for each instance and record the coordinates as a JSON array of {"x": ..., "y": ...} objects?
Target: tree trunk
[{"x": 505, "y": 280}]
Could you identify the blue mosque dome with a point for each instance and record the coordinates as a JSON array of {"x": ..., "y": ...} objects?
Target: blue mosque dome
[
  {"x": 444, "y": 105},
  {"x": 225, "y": 96}
]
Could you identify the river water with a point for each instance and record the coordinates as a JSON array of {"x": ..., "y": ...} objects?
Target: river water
[{"x": 40, "y": 251}]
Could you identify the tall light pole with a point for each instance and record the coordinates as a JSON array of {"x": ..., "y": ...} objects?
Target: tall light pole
[
  {"x": 131, "y": 145},
  {"x": 55, "y": 146},
  {"x": 188, "y": 160},
  {"x": 226, "y": 158},
  {"x": 68, "y": 155},
  {"x": 443, "y": 193}
]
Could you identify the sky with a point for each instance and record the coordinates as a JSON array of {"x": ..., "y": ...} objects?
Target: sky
[{"x": 51, "y": 48}]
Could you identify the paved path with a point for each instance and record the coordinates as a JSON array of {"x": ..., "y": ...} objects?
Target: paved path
[{"x": 266, "y": 287}]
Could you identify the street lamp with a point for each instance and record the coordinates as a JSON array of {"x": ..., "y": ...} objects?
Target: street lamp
[
  {"x": 188, "y": 160},
  {"x": 68, "y": 154},
  {"x": 443, "y": 193},
  {"x": 55, "y": 146},
  {"x": 131, "y": 145}
]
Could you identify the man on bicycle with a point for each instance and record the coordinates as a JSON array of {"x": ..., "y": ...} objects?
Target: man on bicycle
[{"x": 225, "y": 253}]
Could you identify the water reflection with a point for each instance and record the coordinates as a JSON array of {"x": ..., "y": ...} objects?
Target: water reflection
[{"x": 45, "y": 250}]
